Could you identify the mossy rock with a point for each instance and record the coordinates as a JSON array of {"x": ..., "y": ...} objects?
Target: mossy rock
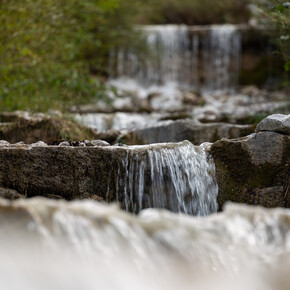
[
  {"x": 44, "y": 128},
  {"x": 246, "y": 167}
]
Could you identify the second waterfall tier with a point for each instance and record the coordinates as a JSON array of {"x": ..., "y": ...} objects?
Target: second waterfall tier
[{"x": 193, "y": 58}]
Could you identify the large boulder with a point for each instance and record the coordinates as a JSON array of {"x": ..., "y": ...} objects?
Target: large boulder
[
  {"x": 254, "y": 169},
  {"x": 177, "y": 131}
]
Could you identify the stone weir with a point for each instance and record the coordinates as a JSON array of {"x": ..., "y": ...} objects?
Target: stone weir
[{"x": 176, "y": 176}]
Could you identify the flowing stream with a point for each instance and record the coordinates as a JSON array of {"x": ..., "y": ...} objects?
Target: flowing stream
[{"x": 57, "y": 245}]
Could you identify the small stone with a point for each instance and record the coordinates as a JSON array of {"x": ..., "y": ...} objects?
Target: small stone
[
  {"x": 109, "y": 136},
  {"x": 10, "y": 194},
  {"x": 275, "y": 123},
  {"x": 39, "y": 144},
  {"x": 192, "y": 99},
  {"x": 55, "y": 113},
  {"x": 82, "y": 144},
  {"x": 4, "y": 143},
  {"x": 99, "y": 143},
  {"x": 206, "y": 146},
  {"x": 64, "y": 144},
  {"x": 251, "y": 91}
]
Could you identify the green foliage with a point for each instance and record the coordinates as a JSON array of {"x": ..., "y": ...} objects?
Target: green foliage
[
  {"x": 287, "y": 66},
  {"x": 52, "y": 50},
  {"x": 277, "y": 12}
]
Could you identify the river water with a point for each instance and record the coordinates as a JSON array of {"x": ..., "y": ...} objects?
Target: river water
[
  {"x": 49, "y": 244},
  {"x": 57, "y": 245}
]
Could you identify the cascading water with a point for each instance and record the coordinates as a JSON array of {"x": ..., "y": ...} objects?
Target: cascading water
[
  {"x": 179, "y": 177},
  {"x": 183, "y": 59},
  {"x": 193, "y": 58},
  {"x": 221, "y": 55},
  {"x": 48, "y": 244}
]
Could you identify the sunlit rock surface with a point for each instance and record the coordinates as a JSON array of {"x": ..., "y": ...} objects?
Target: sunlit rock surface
[{"x": 277, "y": 123}]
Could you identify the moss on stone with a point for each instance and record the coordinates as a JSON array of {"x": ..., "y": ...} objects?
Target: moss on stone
[
  {"x": 45, "y": 128},
  {"x": 237, "y": 175}
]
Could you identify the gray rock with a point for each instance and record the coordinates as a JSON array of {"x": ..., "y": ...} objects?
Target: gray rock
[
  {"x": 109, "y": 136},
  {"x": 69, "y": 172},
  {"x": 267, "y": 197},
  {"x": 4, "y": 143},
  {"x": 247, "y": 166},
  {"x": 64, "y": 144},
  {"x": 99, "y": 143},
  {"x": 11, "y": 194},
  {"x": 39, "y": 144},
  {"x": 275, "y": 123},
  {"x": 191, "y": 130},
  {"x": 266, "y": 147}
]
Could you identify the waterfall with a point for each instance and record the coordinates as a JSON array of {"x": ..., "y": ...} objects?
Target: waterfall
[
  {"x": 221, "y": 55},
  {"x": 194, "y": 58},
  {"x": 180, "y": 178}
]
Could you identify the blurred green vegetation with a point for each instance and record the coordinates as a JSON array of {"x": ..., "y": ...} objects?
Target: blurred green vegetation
[
  {"x": 195, "y": 12},
  {"x": 51, "y": 51},
  {"x": 277, "y": 12},
  {"x": 55, "y": 53}
]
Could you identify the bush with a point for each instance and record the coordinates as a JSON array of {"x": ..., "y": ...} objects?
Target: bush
[
  {"x": 277, "y": 13},
  {"x": 52, "y": 50}
]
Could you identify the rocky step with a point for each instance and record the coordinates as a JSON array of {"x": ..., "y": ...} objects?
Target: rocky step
[
  {"x": 30, "y": 128},
  {"x": 253, "y": 170},
  {"x": 137, "y": 176},
  {"x": 195, "y": 132}
]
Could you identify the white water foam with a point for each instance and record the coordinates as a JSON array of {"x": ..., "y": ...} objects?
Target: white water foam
[
  {"x": 57, "y": 245},
  {"x": 118, "y": 121}
]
